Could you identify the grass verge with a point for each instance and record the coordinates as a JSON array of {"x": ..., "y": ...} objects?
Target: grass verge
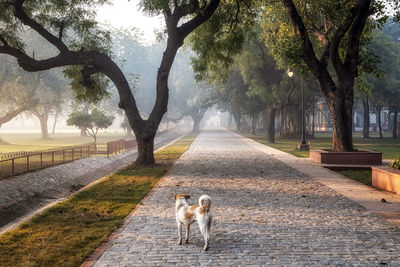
[
  {"x": 389, "y": 147},
  {"x": 363, "y": 176},
  {"x": 67, "y": 233}
]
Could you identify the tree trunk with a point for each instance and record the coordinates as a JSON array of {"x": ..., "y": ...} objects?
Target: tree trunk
[
  {"x": 271, "y": 124},
  {"x": 197, "y": 116},
  {"x": 43, "y": 125},
  {"x": 313, "y": 120},
  {"x": 283, "y": 122},
  {"x": 253, "y": 124},
  {"x": 145, "y": 150},
  {"x": 366, "y": 123},
  {"x": 237, "y": 117},
  {"x": 53, "y": 131},
  {"x": 379, "y": 121},
  {"x": 341, "y": 105},
  {"x": 395, "y": 113},
  {"x": 196, "y": 124}
]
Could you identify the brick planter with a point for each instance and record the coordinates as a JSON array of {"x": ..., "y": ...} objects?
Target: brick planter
[
  {"x": 361, "y": 157},
  {"x": 386, "y": 178}
]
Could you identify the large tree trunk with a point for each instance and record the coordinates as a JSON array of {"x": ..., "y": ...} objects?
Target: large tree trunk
[
  {"x": 395, "y": 113},
  {"x": 340, "y": 105},
  {"x": 366, "y": 123},
  {"x": 145, "y": 150},
  {"x": 271, "y": 124}
]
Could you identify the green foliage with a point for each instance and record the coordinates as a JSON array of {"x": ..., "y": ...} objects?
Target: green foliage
[
  {"x": 395, "y": 164},
  {"x": 92, "y": 89},
  {"x": 221, "y": 38},
  {"x": 90, "y": 122}
]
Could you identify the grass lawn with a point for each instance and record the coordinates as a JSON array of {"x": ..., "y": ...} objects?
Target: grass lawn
[
  {"x": 66, "y": 234},
  {"x": 389, "y": 147},
  {"x": 363, "y": 176},
  {"x": 19, "y": 142}
]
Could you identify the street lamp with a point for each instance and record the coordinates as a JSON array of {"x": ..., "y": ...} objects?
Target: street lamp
[{"x": 303, "y": 145}]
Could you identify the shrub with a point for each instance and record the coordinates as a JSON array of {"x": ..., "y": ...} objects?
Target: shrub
[{"x": 395, "y": 164}]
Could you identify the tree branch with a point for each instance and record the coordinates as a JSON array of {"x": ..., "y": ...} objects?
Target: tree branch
[
  {"x": 21, "y": 15},
  {"x": 199, "y": 19},
  {"x": 353, "y": 43}
]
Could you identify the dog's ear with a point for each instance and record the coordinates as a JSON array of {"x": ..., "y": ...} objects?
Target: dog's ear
[
  {"x": 187, "y": 196},
  {"x": 176, "y": 196}
]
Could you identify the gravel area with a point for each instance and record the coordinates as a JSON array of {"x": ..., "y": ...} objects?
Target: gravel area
[
  {"x": 265, "y": 213},
  {"x": 26, "y": 193}
]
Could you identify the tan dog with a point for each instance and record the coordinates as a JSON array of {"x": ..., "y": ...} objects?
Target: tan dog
[{"x": 186, "y": 215}]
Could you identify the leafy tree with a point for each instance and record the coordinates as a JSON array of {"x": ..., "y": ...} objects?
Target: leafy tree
[
  {"x": 85, "y": 47},
  {"x": 91, "y": 122}
]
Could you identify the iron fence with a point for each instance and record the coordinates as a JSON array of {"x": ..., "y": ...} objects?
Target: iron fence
[
  {"x": 115, "y": 147},
  {"x": 17, "y": 163}
]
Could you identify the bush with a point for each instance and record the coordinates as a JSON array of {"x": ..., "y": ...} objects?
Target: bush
[{"x": 395, "y": 164}]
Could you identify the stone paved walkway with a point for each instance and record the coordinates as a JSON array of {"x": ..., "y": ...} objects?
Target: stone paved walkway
[{"x": 265, "y": 213}]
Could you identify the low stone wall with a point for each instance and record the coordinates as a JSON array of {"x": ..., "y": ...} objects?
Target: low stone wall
[
  {"x": 386, "y": 178},
  {"x": 362, "y": 157}
]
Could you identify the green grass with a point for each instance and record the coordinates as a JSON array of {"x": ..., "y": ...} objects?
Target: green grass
[
  {"x": 363, "y": 176},
  {"x": 67, "y": 233},
  {"x": 19, "y": 142},
  {"x": 389, "y": 147}
]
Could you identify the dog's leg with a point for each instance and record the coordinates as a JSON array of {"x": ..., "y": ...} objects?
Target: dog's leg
[
  {"x": 203, "y": 231},
  {"x": 180, "y": 233},
  {"x": 187, "y": 233}
]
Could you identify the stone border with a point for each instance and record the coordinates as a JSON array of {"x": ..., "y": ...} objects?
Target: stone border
[
  {"x": 386, "y": 178},
  {"x": 362, "y": 157}
]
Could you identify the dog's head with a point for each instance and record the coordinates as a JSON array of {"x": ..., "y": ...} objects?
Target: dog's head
[{"x": 182, "y": 196}]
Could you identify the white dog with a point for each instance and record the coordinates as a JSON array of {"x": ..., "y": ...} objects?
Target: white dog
[{"x": 186, "y": 215}]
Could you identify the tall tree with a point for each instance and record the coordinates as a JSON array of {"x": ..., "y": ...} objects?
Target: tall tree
[{"x": 85, "y": 47}]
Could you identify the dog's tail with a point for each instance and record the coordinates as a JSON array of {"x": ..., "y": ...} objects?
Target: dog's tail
[{"x": 205, "y": 202}]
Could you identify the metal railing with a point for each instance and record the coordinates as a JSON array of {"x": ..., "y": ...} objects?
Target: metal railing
[
  {"x": 20, "y": 162},
  {"x": 115, "y": 147},
  {"x": 17, "y": 163}
]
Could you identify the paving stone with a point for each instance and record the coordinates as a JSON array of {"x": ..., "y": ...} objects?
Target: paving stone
[{"x": 265, "y": 213}]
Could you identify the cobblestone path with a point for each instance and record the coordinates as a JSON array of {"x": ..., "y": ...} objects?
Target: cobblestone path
[{"x": 265, "y": 213}]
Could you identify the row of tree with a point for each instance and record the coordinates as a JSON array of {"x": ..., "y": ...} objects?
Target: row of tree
[{"x": 326, "y": 39}]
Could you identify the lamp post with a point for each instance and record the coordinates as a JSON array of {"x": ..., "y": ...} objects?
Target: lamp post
[{"x": 303, "y": 145}]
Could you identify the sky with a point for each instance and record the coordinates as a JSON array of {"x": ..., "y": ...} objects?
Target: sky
[{"x": 124, "y": 13}]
